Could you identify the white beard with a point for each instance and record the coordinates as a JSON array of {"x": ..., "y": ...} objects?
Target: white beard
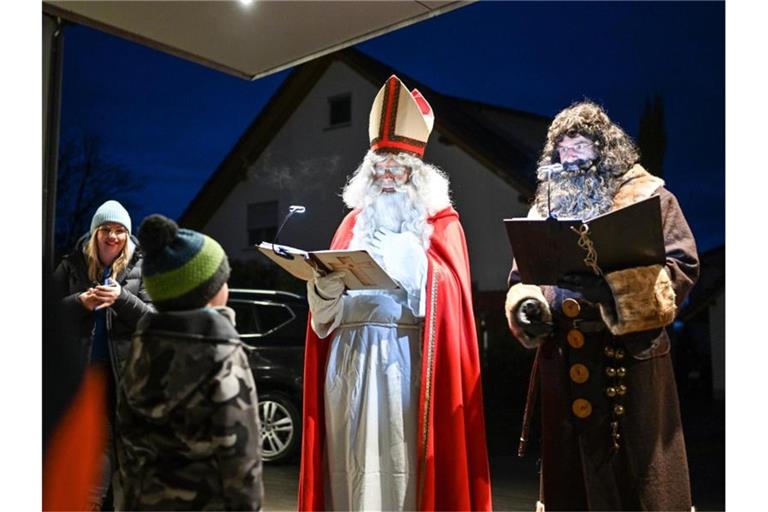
[
  {"x": 396, "y": 211},
  {"x": 389, "y": 211}
]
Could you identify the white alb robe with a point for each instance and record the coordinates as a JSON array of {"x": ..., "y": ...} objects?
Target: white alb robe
[{"x": 371, "y": 395}]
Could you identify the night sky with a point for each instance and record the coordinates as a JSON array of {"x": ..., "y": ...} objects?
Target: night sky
[{"x": 173, "y": 121}]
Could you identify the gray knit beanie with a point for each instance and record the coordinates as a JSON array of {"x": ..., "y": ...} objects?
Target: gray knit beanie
[{"x": 111, "y": 211}]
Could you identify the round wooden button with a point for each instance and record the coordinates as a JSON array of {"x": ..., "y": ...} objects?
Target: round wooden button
[
  {"x": 571, "y": 308},
  {"x": 575, "y": 338},
  {"x": 579, "y": 373},
  {"x": 581, "y": 408}
]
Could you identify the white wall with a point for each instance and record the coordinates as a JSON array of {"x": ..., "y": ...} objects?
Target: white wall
[
  {"x": 305, "y": 163},
  {"x": 482, "y": 200},
  {"x": 308, "y": 163}
]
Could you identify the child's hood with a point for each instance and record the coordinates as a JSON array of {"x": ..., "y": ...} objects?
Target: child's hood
[{"x": 172, "y": 355}]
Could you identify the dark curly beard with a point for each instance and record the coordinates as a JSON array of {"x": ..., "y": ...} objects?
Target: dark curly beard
[{"x": 581, "y": 191}]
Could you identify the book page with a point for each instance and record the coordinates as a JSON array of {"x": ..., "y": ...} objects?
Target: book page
[
  {"x": 362, "y": 271},
  {"x": 293, "y": 260}
]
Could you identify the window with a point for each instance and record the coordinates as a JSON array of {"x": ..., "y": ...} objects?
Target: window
[
  {"x": 261, "y": 222},
  {"x": 339, "y": 110},
  {"x": 272, "y": 316},
  {"x": 296, "y": 331},
  {"x": 244, "y": 317}
]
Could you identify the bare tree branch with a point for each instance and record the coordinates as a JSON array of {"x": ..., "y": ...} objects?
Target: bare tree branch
[{"x": 87, "y": 177}]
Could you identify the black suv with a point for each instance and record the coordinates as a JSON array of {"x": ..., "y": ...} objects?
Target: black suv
[{"x": 273, "y": 324}]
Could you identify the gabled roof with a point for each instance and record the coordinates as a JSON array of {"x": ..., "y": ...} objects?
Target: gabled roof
[
  {"x": 711, "y": 283},
  {"x": 504, "y": 140}
]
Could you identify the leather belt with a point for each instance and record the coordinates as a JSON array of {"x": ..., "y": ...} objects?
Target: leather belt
[{"x": 588, "y": 325}]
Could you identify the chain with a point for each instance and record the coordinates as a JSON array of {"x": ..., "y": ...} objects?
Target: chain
[{"x": 585, "y": 243}]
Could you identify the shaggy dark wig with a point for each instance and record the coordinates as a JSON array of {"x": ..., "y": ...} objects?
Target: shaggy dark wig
[{"x": 616, "y": 151}]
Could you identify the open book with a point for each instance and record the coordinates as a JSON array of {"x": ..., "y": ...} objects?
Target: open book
[
  {"x": 361, "y": 271},
  {"x": 546, "y": 249}
]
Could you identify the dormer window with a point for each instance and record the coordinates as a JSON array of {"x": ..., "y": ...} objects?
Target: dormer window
[{"x": 339, "y": 110}]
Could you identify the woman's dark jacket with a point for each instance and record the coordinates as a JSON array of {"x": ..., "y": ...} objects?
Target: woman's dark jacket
[{"x": 71, "y": 279}]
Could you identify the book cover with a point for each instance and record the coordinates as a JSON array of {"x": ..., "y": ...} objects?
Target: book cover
[{"x": 546, "y": 249}]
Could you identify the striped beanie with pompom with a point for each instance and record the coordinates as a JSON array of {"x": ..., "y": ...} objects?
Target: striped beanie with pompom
[{"x": 182, "y": 269}]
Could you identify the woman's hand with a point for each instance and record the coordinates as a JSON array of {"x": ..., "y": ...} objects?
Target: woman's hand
[
  {"x": 89, "y": 300},
  {"x": 107, "y": 294}
]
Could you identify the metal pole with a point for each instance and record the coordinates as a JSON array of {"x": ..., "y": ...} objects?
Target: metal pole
[{"x": 52, "y": 59}]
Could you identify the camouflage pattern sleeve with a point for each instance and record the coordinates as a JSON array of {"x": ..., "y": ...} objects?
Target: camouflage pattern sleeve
[{"x": 236, "y": 434}]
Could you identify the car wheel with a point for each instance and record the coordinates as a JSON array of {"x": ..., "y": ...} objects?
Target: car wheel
[{"x": 280, "y": 427}]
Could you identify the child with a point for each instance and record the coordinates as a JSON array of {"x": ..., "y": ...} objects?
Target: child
[{"x": 188, "y": 427}]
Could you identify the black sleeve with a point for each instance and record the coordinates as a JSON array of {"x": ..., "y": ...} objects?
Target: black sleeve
[
  {"x": 130, "y": 308},
  {"x": 70, "y": 305}
]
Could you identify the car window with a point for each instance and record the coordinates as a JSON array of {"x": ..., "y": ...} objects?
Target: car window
[
  {"x": 292, "y": 333},
  {"x": 297, "y": 329},
  {"x": 272, "y": 316},
  {"x": 244, "y": 318}
]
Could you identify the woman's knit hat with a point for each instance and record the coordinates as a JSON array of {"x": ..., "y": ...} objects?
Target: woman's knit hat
[
  {"x": 111, "y": 211},
  {"x": 182, "y": 269}
]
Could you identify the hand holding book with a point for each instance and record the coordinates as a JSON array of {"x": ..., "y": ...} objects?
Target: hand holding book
[
  {"x": 592, "y": 287},
  {"x": 329, "y": 286},
  {"x": 530, "y": 316}
]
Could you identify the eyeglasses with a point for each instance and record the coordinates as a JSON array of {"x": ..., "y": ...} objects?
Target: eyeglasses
[
  {"x": 397, "y": 171},
  {"x": 578, "y": 148},
  {"x": 119, "y": 232}
]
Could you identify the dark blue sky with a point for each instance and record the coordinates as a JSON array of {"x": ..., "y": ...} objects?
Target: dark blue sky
[{"x": 173, "y": 121}]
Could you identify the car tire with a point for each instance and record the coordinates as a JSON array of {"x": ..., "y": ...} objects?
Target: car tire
[{"x": 280, "y": 427}]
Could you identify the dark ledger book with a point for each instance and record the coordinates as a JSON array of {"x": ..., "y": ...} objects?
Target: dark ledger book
[{"x": 546, "y": 249}]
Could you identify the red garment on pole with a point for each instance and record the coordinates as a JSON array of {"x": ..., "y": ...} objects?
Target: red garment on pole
[
  {"x": 452, "y": 458},
  {"x": 72, "y": 466}
]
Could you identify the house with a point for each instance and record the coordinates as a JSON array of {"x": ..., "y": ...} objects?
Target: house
[
  {"x": 313, "y": 134},
  {"x": 700, "y": 342}
]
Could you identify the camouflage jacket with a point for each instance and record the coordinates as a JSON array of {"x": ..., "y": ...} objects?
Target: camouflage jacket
[{"x": 188, "y": 435}]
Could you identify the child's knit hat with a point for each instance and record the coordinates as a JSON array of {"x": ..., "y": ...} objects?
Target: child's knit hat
[{"x": 182, "y": 269}]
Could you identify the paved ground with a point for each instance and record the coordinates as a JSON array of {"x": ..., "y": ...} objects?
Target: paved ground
[
  {"x": 514, "y": 485},
  {"x": 515, "y": 481},
  {"x": 281, "y": 486}
]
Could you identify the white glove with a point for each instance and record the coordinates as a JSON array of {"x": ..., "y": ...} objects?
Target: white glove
[
  {"x": 402, "y": 256},
  {"x": 325, "y": 294},
  {"x": 329, "y": 287}
]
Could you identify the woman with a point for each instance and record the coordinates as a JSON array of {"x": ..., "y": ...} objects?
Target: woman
[{"x": 103, "y": 298}]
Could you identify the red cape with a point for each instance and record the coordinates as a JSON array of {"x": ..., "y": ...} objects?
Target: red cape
[{"x": 453, "y": 469}]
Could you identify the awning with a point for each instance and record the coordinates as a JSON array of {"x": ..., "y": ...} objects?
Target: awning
[{"x": 248, "y": 39}]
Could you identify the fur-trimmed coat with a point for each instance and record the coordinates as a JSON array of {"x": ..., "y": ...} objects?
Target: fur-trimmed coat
[{"x": 606, "y": 377}]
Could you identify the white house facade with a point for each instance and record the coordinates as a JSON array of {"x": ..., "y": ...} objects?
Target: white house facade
[{"x": 311, "y": 154}]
